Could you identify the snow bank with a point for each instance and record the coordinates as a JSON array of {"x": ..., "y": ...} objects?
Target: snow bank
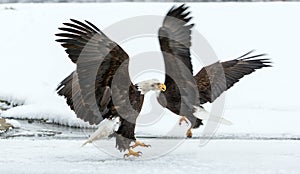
[
  {"x": 51, "y": 113},
  {"x": 32, "y": 63}
]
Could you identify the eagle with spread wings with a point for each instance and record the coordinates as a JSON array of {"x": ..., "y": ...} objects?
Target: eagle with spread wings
[
  {"x": 90, "y": 90},
  {"x": 186, "y": 92}
]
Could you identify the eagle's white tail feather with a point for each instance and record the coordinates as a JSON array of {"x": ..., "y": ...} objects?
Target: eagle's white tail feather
[
  {"x": 201, "y": 113},
  {"x": 106, "y": 128}
]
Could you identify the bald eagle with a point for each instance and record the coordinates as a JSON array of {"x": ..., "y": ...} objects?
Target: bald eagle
[
  {"x": 185, "y": 94},
  {"x": 89, "y": 90}
]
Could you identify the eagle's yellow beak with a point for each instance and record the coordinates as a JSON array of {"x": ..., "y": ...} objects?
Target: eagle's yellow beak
[{"x": 162, "y": 87}]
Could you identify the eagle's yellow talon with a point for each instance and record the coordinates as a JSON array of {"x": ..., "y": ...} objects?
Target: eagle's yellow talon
[
  {"x": 138, "y": 143},
  {"x": 133, "y": 153},
  {"x": 189, "y": 133},
  {"x": 183, "y": 119}
]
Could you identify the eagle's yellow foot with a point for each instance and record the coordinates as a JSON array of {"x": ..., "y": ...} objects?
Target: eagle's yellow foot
[
  {"x": 132, "y": 153},
  {"x": 138, "y": 143},
  {"x": 183, "y": 119},
  {"x": 189, "y": 133}
]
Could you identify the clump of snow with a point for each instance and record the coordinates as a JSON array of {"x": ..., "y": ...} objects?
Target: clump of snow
[
  {"x": 14, "y": 123},
  {"x": 9, "y": 103}
]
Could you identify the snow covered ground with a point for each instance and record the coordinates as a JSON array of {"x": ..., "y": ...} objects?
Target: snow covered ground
[{"x": 219, "y": 156}]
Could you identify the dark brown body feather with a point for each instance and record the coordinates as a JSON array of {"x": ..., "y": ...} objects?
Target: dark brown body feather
[{"x": 88, "y": 90}]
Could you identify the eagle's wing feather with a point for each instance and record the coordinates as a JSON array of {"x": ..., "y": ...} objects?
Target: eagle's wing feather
[
  {"x": 175, "y": 35},
  {"x": 175, "y": 43},
  {"x": 88, "y": 88},
  {"x": 216, "y": 78}
]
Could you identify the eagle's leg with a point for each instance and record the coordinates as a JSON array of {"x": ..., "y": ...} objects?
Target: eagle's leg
[
  {"x": 189, "y": 133},
  {"x": 132, "y": 153},
  {"x": 138, "y": 143},
  {"x": 183, "y": 119}
]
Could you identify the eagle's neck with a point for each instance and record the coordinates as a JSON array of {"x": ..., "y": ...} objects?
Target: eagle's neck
[{"x": 157, "y": 92}]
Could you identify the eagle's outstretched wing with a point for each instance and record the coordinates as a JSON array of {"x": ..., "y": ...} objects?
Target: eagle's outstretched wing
[
  {"x": 216, "y": 78},
  {"x": 175, "y": 35},
  {"x": 88, "y": 89},
  {"x": 175, "y": 43}
]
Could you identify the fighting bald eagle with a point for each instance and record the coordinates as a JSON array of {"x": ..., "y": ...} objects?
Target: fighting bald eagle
[
  {"x": 185, "y": 94},
  {"x": 89, "y": 90}
]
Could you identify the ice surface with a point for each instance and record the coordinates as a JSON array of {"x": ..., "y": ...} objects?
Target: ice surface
[{"x": 218, "y": 156}]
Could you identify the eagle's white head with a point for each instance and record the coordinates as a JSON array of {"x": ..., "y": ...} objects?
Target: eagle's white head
[{"x": 151, "y": 85}]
